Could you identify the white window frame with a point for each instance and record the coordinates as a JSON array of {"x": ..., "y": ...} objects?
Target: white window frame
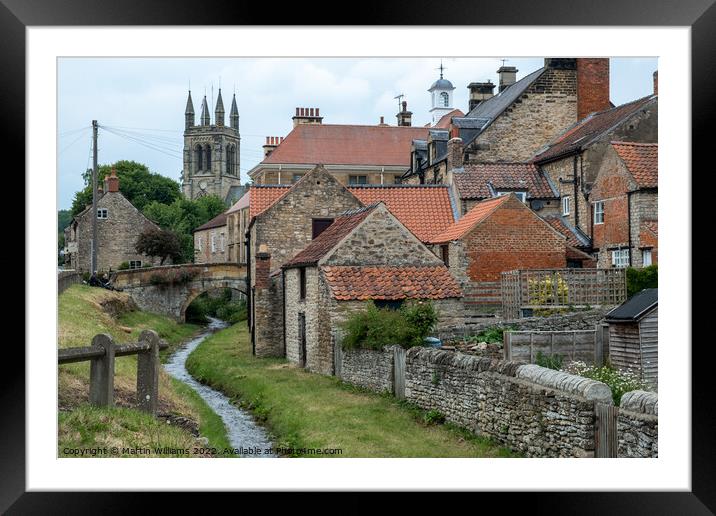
[
  {"x": 566, "y": 201},
  {"x": 213, "y": 242},
  {"x": 599, "y": 212},
  {"x": 620, "y": 258},
  {"x": 221, "y": 243},
  {"x": 102, "y": 213},
  {"x": 644, "y": 254},
  {"x": 198, "y": 242},
  {"x": 135, "y": 262}
]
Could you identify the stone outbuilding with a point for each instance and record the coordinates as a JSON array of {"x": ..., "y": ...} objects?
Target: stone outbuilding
[
  {"x": 495, "y": 236},
  {"x": 625, "y": 202},
  {"x": 210, "y": 241},
  {"x": 119, "y": 224},
  {"x": 365, "y": 254}
]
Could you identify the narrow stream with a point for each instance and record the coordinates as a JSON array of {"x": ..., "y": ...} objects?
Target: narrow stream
[{"x": 242, "y": 430}]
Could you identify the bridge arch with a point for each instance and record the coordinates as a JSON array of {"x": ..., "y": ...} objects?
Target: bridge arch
[{"x": 193, "y": 294}]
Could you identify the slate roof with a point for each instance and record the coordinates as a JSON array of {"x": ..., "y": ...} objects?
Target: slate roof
[
  {"x": 636, "y": 307},
  {"x": 242, "y": 203},
  {"x": 575, "y": 237},
  {"x": 480, "y": 212},
  {"x": 641, "y": 160},
  {"x": 424, "y": 209},
  {"x": 588, "y": 129},
  {"x": 391, "y": 283},
  {"x": 323, "y": 243},
  {"x": 218, "y": 221},
  {"x": 347, "y": 145},
  {"x": 235, "y": 192},
  {"x": 478, "y": 179}
]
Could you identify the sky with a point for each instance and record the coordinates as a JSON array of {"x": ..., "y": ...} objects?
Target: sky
[{"x": 144, "y": 100}]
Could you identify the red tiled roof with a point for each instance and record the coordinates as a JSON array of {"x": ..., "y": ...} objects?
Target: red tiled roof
[
  {"x": 444, "y": 122},
  {"x": 424, "y": 209},
  {"x": 242, "y": 203},
  {"x": 218, "y": 221},
  {"x": 642, "y": 161},
  {"x": 263, "y": 197},
  {"x": 347, "y": 145},
  {"x": 362, "y": 283},
  {"x": 473, "y": 182},
  {"x": 558, "y": 224},
  {"x": 587, "y": 129},
  {"x": 480, "y": 212},
  {"x": 327, "y": 240}
]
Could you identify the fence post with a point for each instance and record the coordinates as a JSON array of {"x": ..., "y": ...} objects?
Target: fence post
[
  {"x": 102, "y": 373},
  {"x": 148, "y": 372}
]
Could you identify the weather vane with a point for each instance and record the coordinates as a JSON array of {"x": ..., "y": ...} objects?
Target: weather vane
[{"x": 441, "y": 68}]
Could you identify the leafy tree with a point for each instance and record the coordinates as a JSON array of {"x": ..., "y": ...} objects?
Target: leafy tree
[
  {"x": 159, "y": 242},
  {"x": 137, "y": 183},
  {"x": 64, "y": 217}
]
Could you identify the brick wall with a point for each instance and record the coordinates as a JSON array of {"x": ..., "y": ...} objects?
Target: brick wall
[{"x": 592, "y": 85}]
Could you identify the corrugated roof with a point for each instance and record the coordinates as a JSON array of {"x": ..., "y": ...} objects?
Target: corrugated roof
[
  {"x": 347, "y": 145},
  {"x": 480, "y": 212},
  {"x": 323, "y": 243},
  {"x": 587, "y": 129},
  {"x": 218, "y": 221},
  {"x": 636, "y": 307},
  {"x": 641, "y": 160},
  {"x": 476, "y": 179},
  {"x": 391, "y": 283}
]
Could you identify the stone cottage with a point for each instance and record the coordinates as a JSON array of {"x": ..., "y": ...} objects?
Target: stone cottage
[
  {"x": 210, "y": 241},
  {"x": 624, "y": 206},
  {"x": 119, "y": 224},
  {"x": 366, "y": 254},
  {"x": 495, "y": 236},
  {"x": 285, "y": 219},
  {"x": 237, "y": 221}
]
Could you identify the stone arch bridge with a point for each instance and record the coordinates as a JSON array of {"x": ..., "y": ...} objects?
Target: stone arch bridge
[{"x": 170, "y": 289}]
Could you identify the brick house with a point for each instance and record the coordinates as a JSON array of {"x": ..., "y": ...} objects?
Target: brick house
[
  {"x": 495, "y": 236},
  {"x": 572, "y": 160},
  {"x": 119, "y": 224},
  {"x": 624, "y": 205},
  {"x": 366, "y": 254},
  {"x": 353, "y": 154},
  {"x": 514, "y": 124},
  {"x": 210, "y": 241},
  {"x": 284, "y": 219}
]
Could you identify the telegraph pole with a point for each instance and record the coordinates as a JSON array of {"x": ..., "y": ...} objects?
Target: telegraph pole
[{"x": 94, "y": 198}]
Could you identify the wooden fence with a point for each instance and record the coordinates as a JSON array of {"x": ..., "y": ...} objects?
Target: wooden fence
[
  {"x": 552, "y": 288},
  {"x": 525, "y": 346},
  {"x": 67, "y": 278},
  {"x": 102, "y": 353}
]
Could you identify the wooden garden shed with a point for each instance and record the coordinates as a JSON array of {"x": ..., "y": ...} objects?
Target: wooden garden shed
[{"x": 633, "y": 335}]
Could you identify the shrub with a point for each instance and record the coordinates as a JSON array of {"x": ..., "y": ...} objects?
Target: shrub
[
  {"x": 173, "y": 277},
  {"x": 492, "y": 334},
  {"x": 123, "y": 266},
  {"x": 433, "y": 417},
  {"x": 551, "y": 362},
  {"x": 639, "y": 279},
  {"x": 548, "y": 291},
  {"x": 620, "y": 382}
]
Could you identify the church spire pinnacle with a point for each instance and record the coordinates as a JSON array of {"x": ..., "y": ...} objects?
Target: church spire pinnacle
[
  {"x": 189, "y": 112},
  {"x": 234, "y": 115},
  {"x": 219, "y": 111},
  {"x": 205, "y": 113}
]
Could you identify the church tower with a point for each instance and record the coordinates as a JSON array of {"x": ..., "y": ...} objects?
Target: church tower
[
  {"x": 211, "y": 151},
  {"x": 441, "y": 97}
]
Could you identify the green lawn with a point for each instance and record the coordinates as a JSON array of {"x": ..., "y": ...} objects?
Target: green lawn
[
  {"x": 305, "y": 410},
  {"x": 85, "y": 311}
]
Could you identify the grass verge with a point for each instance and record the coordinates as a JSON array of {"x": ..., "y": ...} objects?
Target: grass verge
[
  {"x": 305, "y": 411},
  {"x": 183, "y": 416}
]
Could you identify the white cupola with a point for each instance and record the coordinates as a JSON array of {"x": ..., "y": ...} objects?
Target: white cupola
[{"x": 441, "y": 97}]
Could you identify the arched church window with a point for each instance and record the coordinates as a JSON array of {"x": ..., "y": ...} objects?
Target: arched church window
[
  {"x": 445, "y": 98},
  {"x": 198, "y": 158},
  {"x": 230, "y": 159},
  {"x": 208, "y": 157}
]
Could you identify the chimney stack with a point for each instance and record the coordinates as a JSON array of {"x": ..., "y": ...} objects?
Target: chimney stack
[
  {"x": 271, "y": 143},
  {"x": 112, "y": 182},
  {"x": 508, "y": 76},
  {"x": 592, "y": 86},
  {"x": 263, "y": 267},
  {"x": 307, "y": 116},
  {"x": 405, "y": 116},
  {"x": 382, "y": 121},
  {"x": 656, "y": 82},
  {"x": 454, "y": 153},
  {"x": 480, "y": 91}
]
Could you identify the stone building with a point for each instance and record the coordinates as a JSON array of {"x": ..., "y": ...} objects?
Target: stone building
[
  {"x": 354, "y": 154},
  {"x": 366, "y": 254},
  {"x": 237, "y": 222},
  {"x": 624, "y": 205},
  {"x": 119, "y": 224},
  {"x": 495, "y": 236},
  {"x": 572, "y": 160},
  {"x": 283, "y": 220},
  {"x": 211, "y": 151},
  {"x": 210, "y": 241}
]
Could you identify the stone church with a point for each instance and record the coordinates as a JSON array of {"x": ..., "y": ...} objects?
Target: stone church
[{"x": 211, "y": 151}]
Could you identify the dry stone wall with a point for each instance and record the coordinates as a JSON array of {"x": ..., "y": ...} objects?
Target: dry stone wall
[
  {"x": 372, "y": 369},
  {"x": 638, "y": 425}
]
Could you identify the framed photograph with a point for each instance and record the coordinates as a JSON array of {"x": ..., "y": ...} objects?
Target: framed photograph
[{"x": 429, "y": 239}]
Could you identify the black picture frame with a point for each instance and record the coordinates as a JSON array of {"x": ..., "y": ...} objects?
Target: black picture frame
[{"x": 700, "y": 15}]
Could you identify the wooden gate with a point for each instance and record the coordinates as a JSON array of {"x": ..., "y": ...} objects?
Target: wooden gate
[
  {"x": 606, "y": 441},
  {"x": 399, "y": 372}
]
